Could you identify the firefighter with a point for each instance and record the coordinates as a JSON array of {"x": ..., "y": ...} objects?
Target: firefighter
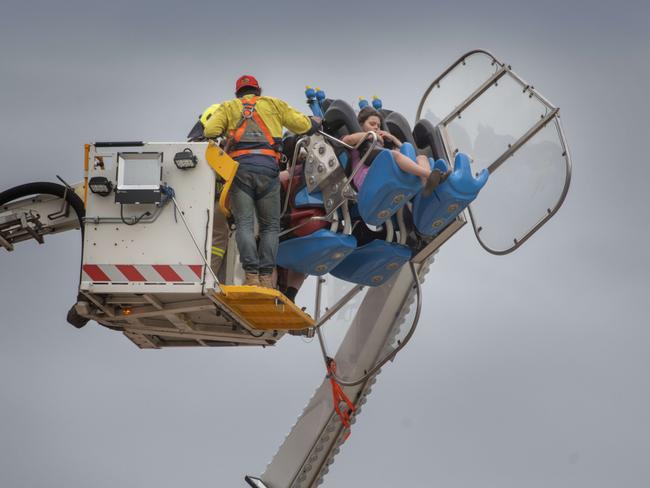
[
  {"x": 253, "y": 124},
  {"x": 220, "y": 227}
]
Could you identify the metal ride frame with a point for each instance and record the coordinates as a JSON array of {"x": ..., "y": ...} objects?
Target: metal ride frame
[
  {"x": 310, "y": 447},
  {"x": 553, "y": 116}
]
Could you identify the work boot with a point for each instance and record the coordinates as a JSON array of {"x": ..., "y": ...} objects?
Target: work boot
[
  {"x": 252, "y": 279},
  {"x": 266, "y": 280}
]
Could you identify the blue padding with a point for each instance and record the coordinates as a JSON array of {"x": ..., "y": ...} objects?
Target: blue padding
[
  {"x": 432, "y": 214},
  {"x": 306, "y": 199},
  {"x": 344, "y": 159},
  {"x": 317, "y": 253},
  {"x": 385, "y": 189},
  {"x": 373, "y": 264},
  {"x": 408, "y": 150}
]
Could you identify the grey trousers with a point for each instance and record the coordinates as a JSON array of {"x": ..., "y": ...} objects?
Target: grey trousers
[{"x": 220, "y": 232}]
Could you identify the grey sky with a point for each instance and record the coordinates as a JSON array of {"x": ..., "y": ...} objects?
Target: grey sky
[{"x": 527, "y": 370}]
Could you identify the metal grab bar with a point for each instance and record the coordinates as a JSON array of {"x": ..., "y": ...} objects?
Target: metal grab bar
[
  {"x": 375, "y": 139},
  {"x": 347, "y": 185},
  {"x": 296, "y": 152},
  {"x": 347, "y": 189}
]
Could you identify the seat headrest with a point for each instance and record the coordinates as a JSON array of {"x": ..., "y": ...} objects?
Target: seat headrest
[
  {"x": 340, "y": 119},
  {"x": 397, "y": 125},
  {"x": 428, "y": 136}
]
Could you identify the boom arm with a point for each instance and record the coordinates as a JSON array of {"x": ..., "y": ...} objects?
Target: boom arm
[{"x": 33, "y": 210}]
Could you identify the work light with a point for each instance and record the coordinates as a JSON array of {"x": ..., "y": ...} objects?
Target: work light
[
  {"x": 100, "y": 185},
  {"x": 185, "y": 159}
]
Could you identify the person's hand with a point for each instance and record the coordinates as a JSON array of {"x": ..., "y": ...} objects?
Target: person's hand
[
  {"x": 316, "y": 124},
  {"x": 380, "y": 140}
]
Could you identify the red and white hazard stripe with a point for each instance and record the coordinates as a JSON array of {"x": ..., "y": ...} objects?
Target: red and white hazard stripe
[{"x": 157, "y": 273}]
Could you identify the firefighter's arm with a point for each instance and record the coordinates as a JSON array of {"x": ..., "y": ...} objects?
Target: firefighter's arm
[
  {"x": 292, "y": 119},
  {"x": 216, "y": 125}
]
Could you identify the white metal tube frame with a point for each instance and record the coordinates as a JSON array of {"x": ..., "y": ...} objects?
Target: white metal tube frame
[{"x": 551, "y": 116}]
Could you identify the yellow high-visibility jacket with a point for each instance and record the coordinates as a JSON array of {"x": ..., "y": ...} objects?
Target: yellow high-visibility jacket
[
  {"x": 275, "y": 113},
  {"x": 208, "y": 112}
]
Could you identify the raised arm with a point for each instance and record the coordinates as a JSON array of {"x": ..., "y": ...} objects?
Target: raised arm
[
  {"x": 293, "y": 119},
  {"x": 217, "y": 124},
  {"x": 354, "y": 139}
]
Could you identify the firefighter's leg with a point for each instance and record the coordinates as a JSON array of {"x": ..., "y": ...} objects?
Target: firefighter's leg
[
  {"x": 219, "y": 239},
  {"x": 268, "y": 214}
]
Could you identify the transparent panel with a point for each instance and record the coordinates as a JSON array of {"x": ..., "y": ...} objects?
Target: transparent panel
[
  {"x": 494, "y": 121},
  {"x": 524, "y": 190},
  {"x": 457, "y": 85},
  {"x": 335, "y": 329}
]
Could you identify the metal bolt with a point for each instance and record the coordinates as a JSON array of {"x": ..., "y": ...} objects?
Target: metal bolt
[
  {"x": 392, "y": 266},
  {"x": 452, "y": 208},
  {"x": 312, "y": 180},
  {"x": 437, "y": 223},
  {"x": 377, "y": 278},
  {"x": 331, "y": 162},
  {"x": 321, "y": 150},
  {"x": 321, "y": 268},
  {"x": 321, "y": 168},
  {"x": 383, "y": 214},
  {"x": 398, "y": 198}
]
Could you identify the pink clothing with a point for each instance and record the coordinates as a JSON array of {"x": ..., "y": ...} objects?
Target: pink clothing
[{"x": 360, "y": 176}]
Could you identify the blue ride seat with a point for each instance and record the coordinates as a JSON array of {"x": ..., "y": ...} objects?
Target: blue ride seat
[
  {"x": 386, "y": 187},
  {"x": 305, "y": 199},
  {"x": 373, "y": 264},
  {"x": 317, "y": 253},
  {"x": 433, "y": 213}
]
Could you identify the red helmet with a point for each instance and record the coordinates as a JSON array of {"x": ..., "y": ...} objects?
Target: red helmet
[{"x": 246, "y": 80}]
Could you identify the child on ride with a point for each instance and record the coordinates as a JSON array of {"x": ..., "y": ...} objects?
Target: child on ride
[{"x": 371, "y": 121}]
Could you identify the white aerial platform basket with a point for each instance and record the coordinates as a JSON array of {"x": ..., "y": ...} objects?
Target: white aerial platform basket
[
  {"x": 144, "y": 266},
  {"x": 156, "y": 254}
]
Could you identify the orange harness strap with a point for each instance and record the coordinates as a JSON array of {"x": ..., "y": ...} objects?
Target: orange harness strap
[
  {"x": 339, "y": 397},
  {"x": 266, "y": 152},
  {"x": 248, "y": 113}
]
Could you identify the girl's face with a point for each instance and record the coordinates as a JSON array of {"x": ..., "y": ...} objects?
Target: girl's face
[{"x": 371, "y": 124}]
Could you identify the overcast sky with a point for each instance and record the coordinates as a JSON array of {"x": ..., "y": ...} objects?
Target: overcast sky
[{"x": 528, "y": 370}]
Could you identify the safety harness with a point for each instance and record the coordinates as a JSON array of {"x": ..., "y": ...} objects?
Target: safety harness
[
  {"x": 340, "y": 397},
  {"x": 251, "y": 129}
]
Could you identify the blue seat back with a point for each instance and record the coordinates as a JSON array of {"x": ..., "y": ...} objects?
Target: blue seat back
[
  {"x": 386, "y": 188},
  {"x": 305, "y": 199},
  {"x": 432, "y": 214},
  {"x": 373, "y": 264},
  {"x": 317, "y": 253}
]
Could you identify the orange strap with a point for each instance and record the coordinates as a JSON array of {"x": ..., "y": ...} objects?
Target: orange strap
[
  {"x": 338, "y": 397},
  {"x": 248, "y": 112},
  {"x": 265, "y": 152}
]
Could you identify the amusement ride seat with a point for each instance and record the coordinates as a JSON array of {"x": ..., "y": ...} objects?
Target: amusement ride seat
[
  {"x": 309, "y": 247},
  {"x": 386, "y": 189}
]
